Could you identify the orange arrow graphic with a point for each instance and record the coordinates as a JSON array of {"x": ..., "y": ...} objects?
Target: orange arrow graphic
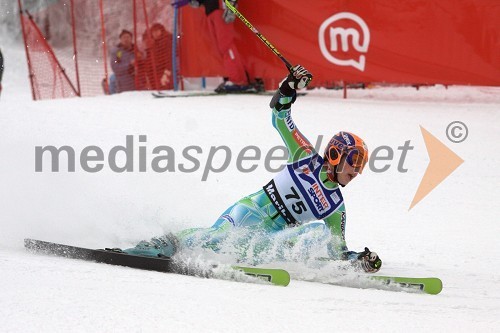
[{"x": 442, "y": 163}]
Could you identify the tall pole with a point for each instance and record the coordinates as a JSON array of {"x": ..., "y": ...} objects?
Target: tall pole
[
  {"x": 30, "y": 70},
  {"x": 75, "y": 52}
]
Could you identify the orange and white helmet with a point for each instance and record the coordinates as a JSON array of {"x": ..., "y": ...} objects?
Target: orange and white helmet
[{"x": 350, "y": 145}]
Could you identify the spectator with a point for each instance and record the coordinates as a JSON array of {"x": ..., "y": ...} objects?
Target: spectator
[
  {"x": 123, "y": 63},
  {"x": 158, "y": 65},
  {"x": 221, "y": 29},
  {"x": 1, "y": 71}
]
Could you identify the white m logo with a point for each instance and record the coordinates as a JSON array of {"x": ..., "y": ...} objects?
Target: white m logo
[{"x": 342, "y": 35}]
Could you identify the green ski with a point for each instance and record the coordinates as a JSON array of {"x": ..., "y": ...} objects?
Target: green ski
[
  {"x": 429, "y": 285},
  {"x": 278, "y": 277}
]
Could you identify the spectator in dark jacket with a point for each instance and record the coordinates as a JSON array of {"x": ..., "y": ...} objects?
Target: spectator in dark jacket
[{"x": 123, "y": 63}]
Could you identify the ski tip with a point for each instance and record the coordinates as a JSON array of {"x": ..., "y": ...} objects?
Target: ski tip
[
  {"x": 285, "y": 278},
  {"x": 434, "y": 287}
]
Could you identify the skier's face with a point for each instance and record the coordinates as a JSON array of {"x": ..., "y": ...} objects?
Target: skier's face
[{"x": 345, "y": 172}]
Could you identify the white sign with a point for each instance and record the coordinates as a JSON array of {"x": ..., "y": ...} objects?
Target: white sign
[{"x": 339, "y": 39}]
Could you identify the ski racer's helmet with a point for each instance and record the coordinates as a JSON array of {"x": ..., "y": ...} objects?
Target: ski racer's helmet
[{"x": 349, "y": 144}]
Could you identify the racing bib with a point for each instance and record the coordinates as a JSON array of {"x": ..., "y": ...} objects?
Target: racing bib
[{"x": 298, "y": 194}]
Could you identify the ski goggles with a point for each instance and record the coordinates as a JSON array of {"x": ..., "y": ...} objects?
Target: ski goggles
[{"x": 356, "y": 156}]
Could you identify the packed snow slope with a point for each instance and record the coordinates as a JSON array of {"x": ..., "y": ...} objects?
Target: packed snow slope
[{"x": 451, "y": 234}]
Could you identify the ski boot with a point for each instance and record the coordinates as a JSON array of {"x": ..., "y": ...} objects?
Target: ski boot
[
  {"x": 228, "y": 87},
  {"x": 258, "y": 84},
  {"x": 165, "y": 246}
]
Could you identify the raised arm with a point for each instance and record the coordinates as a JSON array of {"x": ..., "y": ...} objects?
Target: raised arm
[{"x": 297, "y": 144}]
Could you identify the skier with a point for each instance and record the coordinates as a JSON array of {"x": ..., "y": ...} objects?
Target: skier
[{"x": 306, "y": 190}]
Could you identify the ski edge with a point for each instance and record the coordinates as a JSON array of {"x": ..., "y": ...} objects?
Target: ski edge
[
  {"x": 195, "y": 93},
  {"x": 102, "y": 256},
  {"x": 160, "y": 94},
  {"x": 275, "y": 276}
]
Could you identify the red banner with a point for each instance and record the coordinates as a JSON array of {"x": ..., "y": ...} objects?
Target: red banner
[{"x": 413, "y": 41}]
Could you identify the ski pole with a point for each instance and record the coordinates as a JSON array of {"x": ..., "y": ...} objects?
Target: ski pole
[{"x": 258, "y": 34}]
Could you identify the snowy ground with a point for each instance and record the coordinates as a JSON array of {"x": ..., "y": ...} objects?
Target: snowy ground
[{"x": 451, "y": 234}]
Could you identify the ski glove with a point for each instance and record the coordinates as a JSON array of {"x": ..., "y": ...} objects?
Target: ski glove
[
  {"x": 228, "y": 14},
  {"x": 369, "y": 261},
  {"x": 298, "y": 78}
]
